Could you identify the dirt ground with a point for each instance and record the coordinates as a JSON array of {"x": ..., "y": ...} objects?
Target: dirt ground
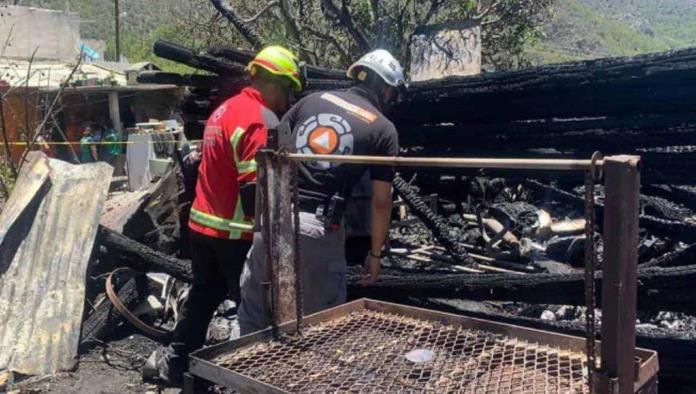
[
  {"x": 112, "y": 368},
  {"x": 115, "y": 367}
]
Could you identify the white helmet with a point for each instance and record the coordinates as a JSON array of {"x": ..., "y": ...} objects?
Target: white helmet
[{"x": 384, "y": 64}]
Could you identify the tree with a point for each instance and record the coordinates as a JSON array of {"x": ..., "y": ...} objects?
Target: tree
[
  {"x": 335, "y": 32},
  {"x": 325, "y": 32}
]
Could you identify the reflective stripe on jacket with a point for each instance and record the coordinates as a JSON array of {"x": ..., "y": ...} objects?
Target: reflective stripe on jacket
[{"x": 233, "y": 135}]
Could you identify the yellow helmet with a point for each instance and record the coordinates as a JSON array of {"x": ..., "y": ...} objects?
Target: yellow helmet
[{"x": 278, "y": 61}]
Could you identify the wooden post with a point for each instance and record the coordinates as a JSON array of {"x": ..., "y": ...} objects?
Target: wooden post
[
  {"x": 621, "y": 209},
  {"x": 117, "y": 25},
  {"x": 115, "y": 112},
  {"x": 275, "y": 174}
]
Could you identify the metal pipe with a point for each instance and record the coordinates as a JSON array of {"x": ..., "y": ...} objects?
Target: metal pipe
[{"x": 520, "y": 164}]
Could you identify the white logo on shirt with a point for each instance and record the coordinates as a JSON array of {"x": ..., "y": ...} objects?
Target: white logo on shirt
[{"x": 324, "y": 134}]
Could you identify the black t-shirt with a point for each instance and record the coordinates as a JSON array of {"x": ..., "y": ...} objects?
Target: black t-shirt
[{"x": 342, "y": 122}]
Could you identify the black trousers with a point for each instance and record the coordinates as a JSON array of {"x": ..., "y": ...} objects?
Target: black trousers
[{"x": 217, "y": 265}]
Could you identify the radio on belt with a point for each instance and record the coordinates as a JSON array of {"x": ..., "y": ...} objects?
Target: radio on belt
[{"x": 332, "y": 213}]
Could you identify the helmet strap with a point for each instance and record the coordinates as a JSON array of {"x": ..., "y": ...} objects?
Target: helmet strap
[
  {"x": 383, "y": 102},
  {"x": 374, "y": 84}
]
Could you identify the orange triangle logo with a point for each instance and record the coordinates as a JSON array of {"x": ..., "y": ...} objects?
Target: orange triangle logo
[{"x": 323, "y": 140}]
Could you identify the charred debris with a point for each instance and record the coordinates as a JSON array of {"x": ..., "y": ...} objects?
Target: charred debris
[
  {"x": 506, "y": 245},
  {"x": 524, "y": 230}
]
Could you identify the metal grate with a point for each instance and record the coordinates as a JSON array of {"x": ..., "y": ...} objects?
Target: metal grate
[{"x": 364, "y": 352}]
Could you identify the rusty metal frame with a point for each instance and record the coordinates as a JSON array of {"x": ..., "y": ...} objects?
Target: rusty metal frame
[
  {"x": 202, "y": 366},
  {"x": 619, "y": 372}
]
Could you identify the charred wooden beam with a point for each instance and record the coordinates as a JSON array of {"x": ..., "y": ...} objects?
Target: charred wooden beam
[
  {"x": 665, "y": 227},
  {"x": 434, "y": 223},
  {"x": 183, "y": 55},
  {"x": 227, "y": 62},
  {"x": 132, "y": 254},
  {"x": 105, "y": 319},
  {"x": 680, "y": 194},
  {"x": 236, "y": 55},
  {"x": 609, "y": 135},
  {"x": 658, "y": 288},
  {"x": 243, "y": 57},
  {"x": 655, "y": 83},
  {"x": 674, "y": 258}
]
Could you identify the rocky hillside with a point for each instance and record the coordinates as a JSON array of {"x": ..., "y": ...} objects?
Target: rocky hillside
[{"x": 582, "y": 29}]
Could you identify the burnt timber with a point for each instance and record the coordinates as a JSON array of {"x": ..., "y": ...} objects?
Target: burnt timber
[
  {"x": 655, "y": 83},
  {"x": 124, "y": 252},
  {"x": 659, "y": 288},
  {"x": 636, "y": 105}
]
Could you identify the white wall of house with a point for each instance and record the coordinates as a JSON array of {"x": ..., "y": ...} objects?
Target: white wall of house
[{"x": 56, "y": 34}]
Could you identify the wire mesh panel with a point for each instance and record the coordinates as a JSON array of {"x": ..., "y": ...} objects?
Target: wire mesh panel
[{"x": 372, "y": 352}]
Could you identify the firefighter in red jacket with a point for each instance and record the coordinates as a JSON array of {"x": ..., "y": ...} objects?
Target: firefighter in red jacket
[{"x": 221, "y": 230}]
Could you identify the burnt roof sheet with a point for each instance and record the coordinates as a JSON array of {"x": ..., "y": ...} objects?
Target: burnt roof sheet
[{"x": 42, "y": 290}]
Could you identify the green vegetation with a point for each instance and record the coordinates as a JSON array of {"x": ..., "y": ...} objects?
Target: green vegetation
[
  {"x": 317, "y": 32},
  {"x": 583, "y": 29},
  {"x": 138, "y": 48},
  {"x": 6, "y": 181},
  {"x": 672, "y": 21},
  {"x": 578, "y": 29}
]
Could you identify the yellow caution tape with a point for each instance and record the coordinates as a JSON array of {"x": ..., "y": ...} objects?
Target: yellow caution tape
[{"x": 94, "y": 143}]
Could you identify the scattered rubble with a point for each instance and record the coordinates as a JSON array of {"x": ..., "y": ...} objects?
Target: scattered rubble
[{"x": 491, "y": 239}]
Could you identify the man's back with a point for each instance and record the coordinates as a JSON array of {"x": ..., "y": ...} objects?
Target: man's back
[
  {"x": 233, "y": 134},
  {"x": 344, "y": 122}
]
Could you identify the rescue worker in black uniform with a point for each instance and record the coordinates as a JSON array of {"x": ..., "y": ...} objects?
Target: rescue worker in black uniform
[{"x": 342, "y": 122}]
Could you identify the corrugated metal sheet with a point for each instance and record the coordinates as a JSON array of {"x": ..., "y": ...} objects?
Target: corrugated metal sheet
[
  {"x": 42, "y": 291},
  {"x": 32, "y": 177}
]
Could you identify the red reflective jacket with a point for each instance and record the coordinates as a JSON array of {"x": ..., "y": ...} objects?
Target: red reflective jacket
[{"x": 233, "y": 134}]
